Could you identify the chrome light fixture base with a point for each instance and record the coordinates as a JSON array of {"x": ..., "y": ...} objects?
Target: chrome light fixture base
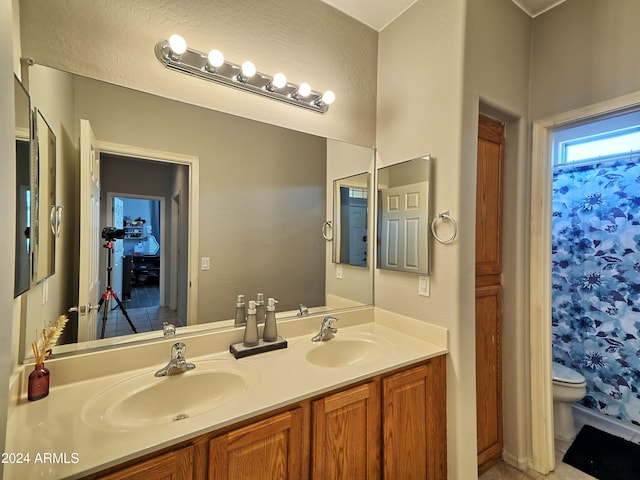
[{"x": 196, "y": 64}]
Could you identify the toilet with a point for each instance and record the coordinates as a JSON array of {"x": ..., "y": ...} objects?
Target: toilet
[{"x": 568, "y": 386}]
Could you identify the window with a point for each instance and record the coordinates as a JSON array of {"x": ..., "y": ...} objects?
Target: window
[
  {"x": 601, "y": 147},
  {"x": 606, "y": 139},
  {"x": 357, "y": 192}
]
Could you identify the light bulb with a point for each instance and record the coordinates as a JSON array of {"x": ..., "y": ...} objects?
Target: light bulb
[
  {"x": 216, "y": 59},
  {"x": 279, "y": 80},
  {"x": 328, "y": 97},
  {"x": 177, "y": 44},
  {"x": 248, "y": 69},
  {"x": 304, "y": 90}
]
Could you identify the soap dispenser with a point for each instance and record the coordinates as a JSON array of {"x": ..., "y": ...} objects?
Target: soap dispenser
[
  {"x": 240, "y": 312},
  {"x": 251, "y": 338},
  {"x": 260, "y": 315},
  {"x": 270, "y": 333}
]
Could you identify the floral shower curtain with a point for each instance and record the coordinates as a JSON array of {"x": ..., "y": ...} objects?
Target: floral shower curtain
[{"x": 596, "y": 281}]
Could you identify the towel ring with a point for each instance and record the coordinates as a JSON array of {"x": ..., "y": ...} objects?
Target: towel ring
[
  {"x": 444, "y": 216},
  {"x": 327, "y": 230}
]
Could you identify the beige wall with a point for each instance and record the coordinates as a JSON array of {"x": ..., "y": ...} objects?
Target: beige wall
[
  {"x": 583, "y": 55},
  {"x": 420, "y": 68},
  {"x": 497, "y": 84},
  {"x": 306, "y": 39},
  {"x": 7, "y": 199},
  {"x": 496, "y": 70},
  {"x": 584, "y": 52},
  {"x": 60, "y": 289}
]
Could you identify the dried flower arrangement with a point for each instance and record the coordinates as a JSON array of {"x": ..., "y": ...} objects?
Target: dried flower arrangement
[{"x": 49, "y": 336}]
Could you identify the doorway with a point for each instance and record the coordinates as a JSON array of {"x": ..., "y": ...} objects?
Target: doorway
[
  {"x": 137, "y": 263},
  {"x": 137, "y": 191},
  {"x": 540, "y": 268}
]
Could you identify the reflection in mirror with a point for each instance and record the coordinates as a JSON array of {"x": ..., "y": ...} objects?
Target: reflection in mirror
[
  {"x": 23, "y": 188},
  {"x": 403, "y": 213},
  {"x": 263, "y": 194},
  {"x": 43, "y": 206},
  {"x": 350, "y": 219}
]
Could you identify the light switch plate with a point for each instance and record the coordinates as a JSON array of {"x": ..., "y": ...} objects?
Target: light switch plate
[
  {"x": 205, "y": 263},
  {"x": 423, "y": 286},
  {"x": 339, "y": 271},
  {"x": 45, "y": 291}
]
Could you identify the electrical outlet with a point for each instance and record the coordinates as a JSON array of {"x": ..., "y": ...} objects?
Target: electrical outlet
[
  {"x": 205, "y": 263},
  {"x": 339, "y": 271},
  {"x": 423, "y": 286}
]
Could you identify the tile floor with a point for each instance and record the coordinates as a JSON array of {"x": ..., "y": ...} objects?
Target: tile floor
[
  {"x": 145, "y": 319},
  {"x": 582, "y": 416},
  {"x": 144, "y": 296},
  {"x": 502, "y": 471},
  {"x": 144, "y": 312}
]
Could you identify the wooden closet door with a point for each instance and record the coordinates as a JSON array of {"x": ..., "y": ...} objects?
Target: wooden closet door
[
  {"x": 489, "y": 374},
  {"x": 489, "y": 197},
  {"x": 489, "y": 204}
]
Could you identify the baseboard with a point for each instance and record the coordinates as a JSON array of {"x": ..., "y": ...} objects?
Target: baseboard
[
  {"x": 586, "y": 416},
  {"x": 521, "y": 464}
]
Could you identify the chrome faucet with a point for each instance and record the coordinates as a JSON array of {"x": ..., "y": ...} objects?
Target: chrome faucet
[
  {"x": 326, "y": 330},
  {"x": 178, "y": 363},
  {"x": 168, "y": 329},
  {"x": 303, "y": 311}
]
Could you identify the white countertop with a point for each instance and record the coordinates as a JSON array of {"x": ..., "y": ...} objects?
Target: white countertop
[{"x": 54, "y": 425}]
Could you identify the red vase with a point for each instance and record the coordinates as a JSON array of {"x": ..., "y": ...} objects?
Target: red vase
[{"x": 38, "y": 382}]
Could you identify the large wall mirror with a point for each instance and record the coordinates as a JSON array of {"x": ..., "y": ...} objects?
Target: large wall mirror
[
  {"x": 22, "y": 277},
  {"x": 403, "y": 215},
  {"x": 263, "y": 193}
]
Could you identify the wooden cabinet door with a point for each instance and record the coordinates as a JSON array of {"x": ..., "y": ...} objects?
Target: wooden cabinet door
[
  {"x": 489, "y": 373},
  {"x": 414, "y": 423},
  {"x": 346, "y": 434},
  {"x": 489, "y": 197},
  {"x": 489, "y": 205},
  {"x": 271, "y": 449},
  {"x": 176, "y": 465}
]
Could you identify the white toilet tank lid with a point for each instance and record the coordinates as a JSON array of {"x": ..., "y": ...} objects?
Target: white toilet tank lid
[{"x": 565, "y": 374}]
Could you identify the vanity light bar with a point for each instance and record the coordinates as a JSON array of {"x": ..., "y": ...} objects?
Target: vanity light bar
[{"x": 243, "y": 77}]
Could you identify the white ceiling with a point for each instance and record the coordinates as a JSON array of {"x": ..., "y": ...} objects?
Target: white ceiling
[{"x": 377, "y": 14}]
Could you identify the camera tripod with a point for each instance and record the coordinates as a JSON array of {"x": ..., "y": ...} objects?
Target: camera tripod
[{"x": 104, "y": 302}]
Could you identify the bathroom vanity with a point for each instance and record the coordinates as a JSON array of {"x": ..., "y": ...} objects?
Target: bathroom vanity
[
  {"x": 392, "y": 424},
  {"x": 370, "y": 402}
]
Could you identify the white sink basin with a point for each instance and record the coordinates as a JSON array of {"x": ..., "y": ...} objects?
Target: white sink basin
[
  {"x": 347, "y": 349},
  {"x": 146, "y": 400}
]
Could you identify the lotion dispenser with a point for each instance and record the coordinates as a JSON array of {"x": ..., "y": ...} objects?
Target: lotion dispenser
[
  {"x": 251, "y": 338},
  {"x": 240, "y": 312},
  {"x": 270, "y": 333},
  {"x": 260, "y": 315}
]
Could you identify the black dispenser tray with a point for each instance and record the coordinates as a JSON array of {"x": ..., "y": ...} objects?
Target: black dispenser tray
[{"x": 240, "y": 351}]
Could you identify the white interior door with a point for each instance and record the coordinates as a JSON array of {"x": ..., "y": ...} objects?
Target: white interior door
[
  {"x": 357, "y": 232},
  {"x": 118, "y": 247},
  {"x": 404, "y": 227},
  {"x": 89, "y": 282}
]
